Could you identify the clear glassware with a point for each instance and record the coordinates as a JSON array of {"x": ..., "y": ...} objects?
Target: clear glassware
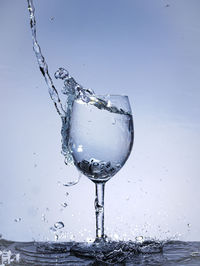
[{"x": 100, "y": 141}]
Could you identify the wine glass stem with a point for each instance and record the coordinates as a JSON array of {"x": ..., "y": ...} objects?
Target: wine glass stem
[{"x": 99, "y": 210}]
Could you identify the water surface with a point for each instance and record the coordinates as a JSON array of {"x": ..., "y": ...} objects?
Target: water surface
[{"x": 116, "y": 253}]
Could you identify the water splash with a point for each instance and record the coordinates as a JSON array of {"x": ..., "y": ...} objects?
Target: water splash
[
  {"x": 42, "y": 63},
  {"x": 115, "y": 253},
  {"x": 7, "y": 257},
  {"x": 72, "y": 91},
  {"x": 71, "y": 88}
]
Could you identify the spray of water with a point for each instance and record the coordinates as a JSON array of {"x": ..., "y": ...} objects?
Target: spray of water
[{"x": 71, "y": 89}]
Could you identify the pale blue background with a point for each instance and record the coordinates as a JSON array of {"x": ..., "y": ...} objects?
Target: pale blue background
[{"x": 141, "y": 48}]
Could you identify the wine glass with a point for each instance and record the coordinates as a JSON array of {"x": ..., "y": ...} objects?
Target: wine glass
[{"x": 100, "y": 141}]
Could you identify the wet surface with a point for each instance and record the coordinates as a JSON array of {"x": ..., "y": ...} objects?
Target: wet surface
[{"x": 111, "y": 253}]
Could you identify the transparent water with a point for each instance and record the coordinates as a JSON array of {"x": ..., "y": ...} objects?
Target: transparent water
[
  {"x": 100, "y": 140},
  {"x": 113, "y": 253}
]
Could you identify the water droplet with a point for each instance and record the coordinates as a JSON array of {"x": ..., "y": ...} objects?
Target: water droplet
[
  {"x": 72, "y": 182},
  {"x": 44, "y": 218},
  {"x": 59, "y": 225},
  {"x": 35, "y": 165},
  {"x": 17, "y": 220},
  {"x": 61, "y": 73},
  {"x": 139, "y": 238},
  {"x": 64, "y": 205},
  {"x": 67, "y": 194},
  {"x": 188, "y": 225},
  {"x": 56, "y": 237},
  {"x": 52, "y": 18}
]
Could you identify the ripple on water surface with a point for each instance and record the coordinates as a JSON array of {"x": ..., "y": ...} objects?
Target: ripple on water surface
[{"x": 111, "y": 253}]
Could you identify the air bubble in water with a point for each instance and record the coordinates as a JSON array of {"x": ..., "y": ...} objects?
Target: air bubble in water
[
  {"x": 96, "y": 168},
  {"x": 59, "y": 225}
]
